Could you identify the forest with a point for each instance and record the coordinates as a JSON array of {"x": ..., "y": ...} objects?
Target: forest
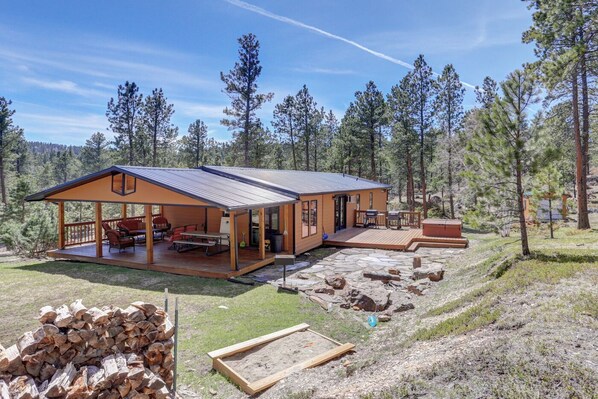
[{"x": 531, "y": 133}]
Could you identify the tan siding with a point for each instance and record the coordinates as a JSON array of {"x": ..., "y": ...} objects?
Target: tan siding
[
  {"x": 146, "y": 193},
  {"x": 183, "y": 215},
  {"x": 310, "y": 242}
]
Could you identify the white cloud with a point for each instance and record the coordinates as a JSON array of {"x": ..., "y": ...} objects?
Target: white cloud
[
  {"x": 65, "y": 86},
  {"x": 199, "y": 110}
]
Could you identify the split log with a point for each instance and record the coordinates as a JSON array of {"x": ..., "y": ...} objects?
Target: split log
[
  {"x": 78, "y": 309},
  {"x": 147, "y": 308},
  {"x": 121, "y": 363},
  {"x": 14, "y": 362},
  {"x": 63, "y": 317},
  {"x": 80, "y": 388},
  {"x": 27, "y": 343},
  {"x": 47, "y": 314},
  {"x": 3, "y": 359},
  {"x": 166, "y": 330},
  {"x": 98, "y": 316},
  {"x": 134, "y": 314},
  {"x": 23, "y": 388},
  {"x": 110, "y": 368},
  {"x": 47, "y": 371},
  {"x": 61, "y": 382},
  {"x": 4, "y": 392},
  {"x": 33, "y": 363}
]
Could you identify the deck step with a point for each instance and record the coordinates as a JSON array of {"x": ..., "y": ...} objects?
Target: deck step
[{"x": 415, "y": 245}]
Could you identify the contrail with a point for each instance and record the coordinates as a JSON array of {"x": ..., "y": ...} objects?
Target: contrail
[{"x": 290, "y": 21}]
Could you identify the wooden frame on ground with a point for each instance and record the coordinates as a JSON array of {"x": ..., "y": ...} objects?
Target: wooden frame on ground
[{"x": 219, "y": 356}]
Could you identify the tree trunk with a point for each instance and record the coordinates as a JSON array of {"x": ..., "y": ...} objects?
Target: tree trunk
[
  {"x": 373, "y": 153},
  {"x": 583, "y": 221},
  {"x": 522, "y": 226},
  {"x": 585, "y": 138},
  {"x": 550, "y": 216},
  {"x": 2, "y": 178},
  {"x": 422, "y": 174},
  {"x": 306, "y": 127},
  {"x": 450, "y": 183},
  {"x": 410, "y": 188}
]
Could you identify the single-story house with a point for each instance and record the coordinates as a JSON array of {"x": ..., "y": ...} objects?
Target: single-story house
[{"x": 249, "y": 205}]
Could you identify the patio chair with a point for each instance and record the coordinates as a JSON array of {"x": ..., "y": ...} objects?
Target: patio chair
[
  {"x": 127, "y": 226},
  {"x": 115, "y": 240},
  {"x": 161, "y": 226},
  {"x": 107, "y": 228},
  {"x": 175, "y": 235}
]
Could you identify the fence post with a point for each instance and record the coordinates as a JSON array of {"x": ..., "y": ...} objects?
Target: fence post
[
  {"x": 176, "y": 341},
  {"x": 166, "y": 300}
]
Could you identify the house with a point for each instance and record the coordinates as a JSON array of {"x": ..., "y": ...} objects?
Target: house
[{"x": 232, "y": 215}]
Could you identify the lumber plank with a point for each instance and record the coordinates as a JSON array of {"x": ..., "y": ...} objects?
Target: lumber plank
[
  {"x": 227, "y": 371},
  {"x": 252, "y": 343}
]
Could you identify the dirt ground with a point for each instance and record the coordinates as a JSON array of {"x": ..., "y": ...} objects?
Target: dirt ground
[{"x": 278, "y": 355}]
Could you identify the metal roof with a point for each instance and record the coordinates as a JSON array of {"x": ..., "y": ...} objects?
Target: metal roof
[
  {"x": 208, "y": 187},
  {"x": 297, "y": 182}
]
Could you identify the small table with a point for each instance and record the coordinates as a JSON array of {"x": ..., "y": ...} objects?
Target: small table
[
  {"x": 143, "y": 232},
  {"x": 201, "y": 239}
]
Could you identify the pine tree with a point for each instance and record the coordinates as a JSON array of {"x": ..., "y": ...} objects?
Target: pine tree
[
  {"x": 193, "y": 145},
  {"x": 95, "y": 154},
  {"x": 241, "y": 87},
  {"x": 371, "y": 112},
  {"x": 424, "y": 89},
  {"x": 486, "y": 94},
  {"x": 156, "y": 115},
  {"x": 285, "y": 123},
  {"x": 10, "y": 136},
  {"x": 449, "y": 112},
  {"x": 306, "y": 114},
  {"x": 564, "y": 32},
  {"x": 403, "y": 118},
  {"x": 123, "y": 115},
  {"x": 501, "y": 152},
  {"x": 547, "y": 186}
]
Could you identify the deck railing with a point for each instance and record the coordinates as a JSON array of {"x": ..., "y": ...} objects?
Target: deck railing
[
  {"x": 408, "y": 219},
  {"x": 84, "y": 232}
]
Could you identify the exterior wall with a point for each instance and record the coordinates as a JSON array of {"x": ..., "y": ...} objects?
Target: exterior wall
[
  {"x": 326, "y": 215},
  {"x": 146, "y": 193}
]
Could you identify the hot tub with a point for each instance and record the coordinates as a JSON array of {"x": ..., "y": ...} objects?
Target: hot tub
[{"x": 449, "y": 228}]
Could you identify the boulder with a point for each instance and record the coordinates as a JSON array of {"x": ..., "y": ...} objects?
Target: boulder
[
  {"x": 336, "y": 281},
  {"x": 417, "y": 262},
  {"x": 383, "y": 318},
  {"x": 418, "y": 288},
  {"x": 370, "y": 299}
]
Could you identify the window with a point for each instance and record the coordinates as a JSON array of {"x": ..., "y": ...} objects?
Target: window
[
  {"x": 371, "y": 200},
  {"x": 309, "y": 218},
  {"x": 304, "y": 219},
  {"x": 313, "y": 222},
  {"x": 123, "y": 184},
  {"x": 358, "y": 202}
]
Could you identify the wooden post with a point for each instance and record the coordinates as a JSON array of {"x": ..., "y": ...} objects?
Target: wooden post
[
  {"x": 286, "y": 228},
  {"x": 262, "y": 222},
  {"x": 98, "y": 230},
  {"x": 61, "y": 238},
  {"x": 149, "y": 235},
  {"x": 233, "y": 240},
  {"x": 123, "y": 211}
]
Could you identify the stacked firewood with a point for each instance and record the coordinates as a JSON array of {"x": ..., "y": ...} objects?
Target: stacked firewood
[{"x": 92, "y": 353}]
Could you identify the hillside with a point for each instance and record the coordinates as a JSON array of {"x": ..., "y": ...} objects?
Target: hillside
[{"x": 497, "y": 326}]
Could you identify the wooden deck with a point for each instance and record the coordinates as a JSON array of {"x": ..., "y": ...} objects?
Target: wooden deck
[
  {"x": 192, "y": 263},
  {"x": 405, "y": 239}
]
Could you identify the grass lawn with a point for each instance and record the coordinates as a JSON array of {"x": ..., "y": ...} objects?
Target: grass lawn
[{"x": 204, "y": 326}]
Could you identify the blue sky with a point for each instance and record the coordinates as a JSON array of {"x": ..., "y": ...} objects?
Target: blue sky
[{"x": 61, "y": 61}]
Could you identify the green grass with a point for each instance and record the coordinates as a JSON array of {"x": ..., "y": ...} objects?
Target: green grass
[{"x": 204, "y": 324}]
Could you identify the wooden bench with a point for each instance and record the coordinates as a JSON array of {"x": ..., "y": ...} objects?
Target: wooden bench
[{"x": 183, "y": 246}]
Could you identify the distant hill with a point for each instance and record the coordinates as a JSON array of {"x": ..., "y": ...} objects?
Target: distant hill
[{"x": 38, "y": 147}]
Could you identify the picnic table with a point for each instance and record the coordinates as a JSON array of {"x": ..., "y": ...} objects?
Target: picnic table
[{"x": 199, "y": 239}]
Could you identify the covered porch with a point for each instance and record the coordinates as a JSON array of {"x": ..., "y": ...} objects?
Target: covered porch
[
  {"x": 192, "y": 263},
  {"x": 211, "y": 217}
]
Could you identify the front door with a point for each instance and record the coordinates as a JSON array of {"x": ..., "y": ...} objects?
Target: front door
[
  {"x": 272, "y": 224},
  {"x": 340, "y": 213}
]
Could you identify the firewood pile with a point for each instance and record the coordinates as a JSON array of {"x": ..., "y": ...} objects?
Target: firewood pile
[{"x": 92, "y": 353}]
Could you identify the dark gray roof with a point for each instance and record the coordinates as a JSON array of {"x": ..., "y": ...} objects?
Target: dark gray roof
[
  {"x": 208, "y": 187},
  {"x": 297, "y": 182}
]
